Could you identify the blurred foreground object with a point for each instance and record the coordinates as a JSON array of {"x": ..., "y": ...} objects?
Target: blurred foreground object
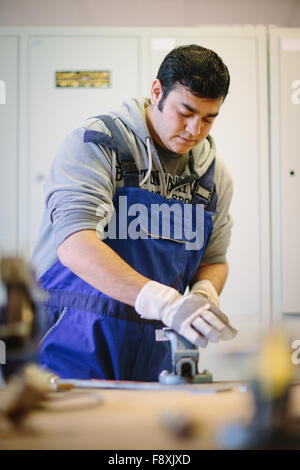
[
  {"x": 25, "y": 392},
  {"x": 21, "y": 328},
  {"x": 22, "y": 318},
  {"x": 271, "y": 427}
]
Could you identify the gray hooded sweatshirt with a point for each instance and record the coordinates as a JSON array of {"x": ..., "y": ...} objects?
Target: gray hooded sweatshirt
[{"x": 84, "y": 177}]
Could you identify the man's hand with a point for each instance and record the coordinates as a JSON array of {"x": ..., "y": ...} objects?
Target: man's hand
[
  {"x": 190, "y": 315},
  {"x": 206, "y": 288}
]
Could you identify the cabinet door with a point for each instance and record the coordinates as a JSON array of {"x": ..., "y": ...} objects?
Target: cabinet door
[
  {"x": 54, "y": 111},
  {"x": 285, "y": 141},
  {"x": 241, "y": 136},
  {"x": 9, "y": 46}
]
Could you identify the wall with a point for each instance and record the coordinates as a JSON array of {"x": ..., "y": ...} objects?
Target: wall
[{"x": 148, "y": 13}]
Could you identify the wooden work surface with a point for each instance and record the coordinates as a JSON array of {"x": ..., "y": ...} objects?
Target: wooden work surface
[{"x": 131, "y": 419}]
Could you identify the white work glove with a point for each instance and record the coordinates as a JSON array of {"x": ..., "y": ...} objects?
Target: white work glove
[
  {"x": 190, "y": 315},
  {"x": 206, "y": 288}
]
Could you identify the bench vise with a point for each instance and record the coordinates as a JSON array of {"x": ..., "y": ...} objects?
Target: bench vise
[{"x": 185, "y": 359}]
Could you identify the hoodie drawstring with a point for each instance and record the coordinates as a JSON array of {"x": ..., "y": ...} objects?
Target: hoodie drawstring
[{"x": 149, "y": 162}]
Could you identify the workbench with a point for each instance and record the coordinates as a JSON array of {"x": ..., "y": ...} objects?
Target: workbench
[{"x": 134, "y": 419}]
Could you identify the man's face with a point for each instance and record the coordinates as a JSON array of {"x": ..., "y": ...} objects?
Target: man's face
[{"x": 185, "y": 119}]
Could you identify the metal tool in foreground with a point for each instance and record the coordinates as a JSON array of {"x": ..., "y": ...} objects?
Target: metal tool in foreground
[
  {"x": 185, "y": 360},
  {"x": 21, "y": 327},
  {"x": 22, "y": 318}
]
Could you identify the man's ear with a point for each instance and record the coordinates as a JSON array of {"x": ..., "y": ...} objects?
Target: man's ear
[{"x": 156, "y": 92}]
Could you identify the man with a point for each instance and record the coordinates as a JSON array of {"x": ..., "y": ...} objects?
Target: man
[{"x": 108, "y": 293}]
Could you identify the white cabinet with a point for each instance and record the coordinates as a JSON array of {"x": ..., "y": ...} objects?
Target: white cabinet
[
  {"x": 53, "y": 111},
  {"x": 9, "y": 127},
  {"x": 285, "y": 168}
]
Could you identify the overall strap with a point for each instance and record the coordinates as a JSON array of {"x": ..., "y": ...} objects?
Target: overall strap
[
  {"x": 205, "y": 190},
  {"x": 118, "y": 144}
]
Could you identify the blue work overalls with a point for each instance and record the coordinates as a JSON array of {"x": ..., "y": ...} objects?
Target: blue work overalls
[{"x": 92, "y": 335}]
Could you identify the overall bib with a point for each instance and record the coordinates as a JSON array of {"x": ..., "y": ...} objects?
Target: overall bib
[{"x": 91, "y": 335}]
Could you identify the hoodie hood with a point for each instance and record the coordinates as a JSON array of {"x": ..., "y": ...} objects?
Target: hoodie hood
[{"x": 132, "y": 114}]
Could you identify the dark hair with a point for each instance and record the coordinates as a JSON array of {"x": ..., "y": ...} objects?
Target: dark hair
[{"x": 197, "y": 68}]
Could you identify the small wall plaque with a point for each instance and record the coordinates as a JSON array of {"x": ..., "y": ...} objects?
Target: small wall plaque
[{"x": 83, "y": 79}]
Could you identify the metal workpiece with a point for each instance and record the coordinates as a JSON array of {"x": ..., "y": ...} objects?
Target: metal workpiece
[{"x": 185, "y": 360}]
